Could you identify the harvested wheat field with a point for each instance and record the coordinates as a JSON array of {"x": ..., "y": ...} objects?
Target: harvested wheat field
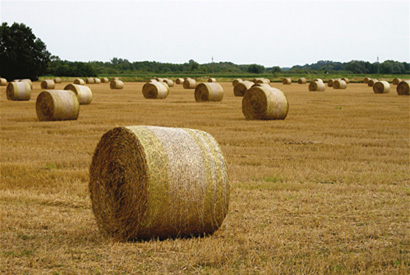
[{"x": 327, "y": 190}]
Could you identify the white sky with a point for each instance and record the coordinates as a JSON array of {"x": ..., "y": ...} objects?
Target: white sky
[{"x": 270, "y": 33}]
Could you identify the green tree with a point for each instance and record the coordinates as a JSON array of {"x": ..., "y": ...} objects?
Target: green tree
[
  {"x": 256, "y": 69},
  {"x": 22, "y": 54}
]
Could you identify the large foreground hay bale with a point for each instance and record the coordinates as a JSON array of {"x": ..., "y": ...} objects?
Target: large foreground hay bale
[
  {"x": 381, "y": 87},
  {"x": 169, "y": 82},
  {"x": 265, "y": 103},
  {"x": 48, "y": 84},
  {"x": 302, "y": 80},
  {"x": 371, "y": 82},
  {"x": 396, "y": 81},
  {"x": 155, "y": 90},
  {"x": 3, "y": 82},
  {"x": 79, "y": 81},
  {"x": 179, "y": 80},
  {"x": 189, "y": 83},
  {"x": 211, "y": 79},
  {"x": 18, "y": 91},
  {"x": 236, "y": 81},
  {"x": 287, "y": 81},
  {"x": 158, "y": 182},
  {"x": 57, "y": 80},
  {"x": 403, "y": 88},
  {"x": 317, "y": 86},
  {"x": 57, "y": 105},
  {"x": 104, "y": 80},
  {"x": 209, "y": 91},
  {"x": 116, "y": 84},
  {"x": 242, "y": 87},
  {"x": 84, "y": 93},
  {"x": 339, "y": 84}
]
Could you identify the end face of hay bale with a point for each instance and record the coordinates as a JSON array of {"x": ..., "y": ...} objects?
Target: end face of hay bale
[
  {"x": 116, "y": 84},
  {"x": 209, "y": 92},
  {"x": 79, "y": 81},
  {"x": 155, "y": 90},
  {"x": 330, "y": 82},
  {"x": 316, "y": 86},
  {"x": 264, "y": 103},
  {"x": 18, "y": 91},
  {"x": 48, "y": 84},
  {"x": 339, "y": 84},
  {"x": 381, "y": 87},
  {"x": 403, "y": 88},
  {"x": 236, "y": 81},
  {"x": 57, "y": 105},
  {"x": 104, "y": 80},
  {"x": 302, "y": 80},
  {"x": 242, "y": 87},
  {"x": 366, "y": 79},
  {"x": 189, "y": 83},
  {"x": 396, "y": 81},
  {"x": 148, "y": 182},
  {"x": 169, "y": 82},
  {"x": 371, "y": 82},
  {"x": 84, "y": 94},
  {"x": 287, "y": 81},
  {"x": 179, "y": 80}
]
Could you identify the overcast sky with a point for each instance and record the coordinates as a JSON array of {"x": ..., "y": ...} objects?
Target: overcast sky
[{"x": 270, "y": 33}]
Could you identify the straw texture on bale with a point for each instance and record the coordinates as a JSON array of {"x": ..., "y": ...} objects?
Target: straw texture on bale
[
  {"x": 155, "y": 90},
  {"x": 116, "y": 84},
  {"x": 330, "y": 82},
  {"x": 287, "y": 81},
  {"x": 97, "y": 81},
  {"x": 25, "y": 80},
  {"x": 90, "y": 80},
  {"x": 242, "y": 87},
  {"x": 18, "y": 91},
  {"x": 189, "y": 83},
  {"x": 261, "y": 80},
  {"x": 209, "y": 91},
  {"x": 318, "y": 79},
  {"x": 160, "y": 79},
  {"x": 158, "y": 182},
  {"x": 264, "y": 103},
  {"x": 3, "y": 82},
  {"x": 403, "y": 88},
  {"x": 346, "y": 80},
  {"x": 104, "y": 80},
  {"x": 366, "y": 79},
  {"x": 302, "y": 80},
  {"x": 57, "y": 80},
  {"x": 115, "y": 78},
  {"x": 211, "y": 79},
  {"x": 396, "y": 81},
  {"x": 48, "y": 84},
  {"x": 371, "y": 82},
  {"x": 169, "y": 82},
  {"x": 79, "y": 81},
  {"x": 57, "y": 105},
  {"x": 179, "y": 80},
  {"x": 339, "y": 84},
  {"x": 236, "y": 81},
  {"x": 381, "y": 87},
  {"x": 317, "y": 86},
  {"x": 84, "y": 93}
]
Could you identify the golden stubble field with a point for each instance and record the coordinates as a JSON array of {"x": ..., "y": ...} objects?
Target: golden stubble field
[{"x": 327, "y": 190}]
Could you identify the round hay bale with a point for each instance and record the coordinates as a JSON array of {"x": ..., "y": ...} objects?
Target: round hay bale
[
  {"x": 3, "y": 82},
  {"x": 403, "y": 88},
  {"x": 302, "y": 80},
  {"x": 84, "y": 94},
  {"x": 169, "y": 82},
  {"x": 189, "y": 83},
  {"x": 97, "y": 81},
  {"x": 318, "y": 79},
  {"x": 371, "y": 82},
  {"x": 160, "y": 79},
  {"x": 155, "y": 90},
  {"x": 79, "y": 81},
  {"x": 316, "y": 86},
  {"x": 264, "y": 103},
  {"x": 179, "y": 80},
  {"x": 57, "y": 105},
  {"x": 116, "y": 84},
  {"x": 346, "y": 80},
  {"x": 339, "y": 84},
  {"x": 330, "y": 82},
  {"x": 104, "y": 80},
  {"x": 261, "y": 81},
  {"x": 211, "y": 79},
  {"x": 18, "y": 91},
  {"x": 158, "y": 182},
  {"x": 396, "y": 81},
  {"x": 381, "y": 87},
  {"x": 242, "y": 87},
  {"x": 57, "y": 80},
  {"x": 25, "y": 80},
  {"x": 209, "y": 91},
  {"x": 115, "y": 78},
  {"x": 262, "y": 85},
  {"x": 366, "y": 79},
  {"x": 287, "y": 81},
  {"x": 48, "y": 84},
  {"x": 236, "y": 81},
  {"x": 90, "y": 80}
]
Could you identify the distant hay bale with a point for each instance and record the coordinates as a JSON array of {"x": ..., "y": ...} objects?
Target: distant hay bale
[
  {"x": 371, "y": 82},
  {"x": 57, "y": 80},
  {"x": 316, "y": 86},
  {"x": 160, "y": 79},
  {"x": 169, "y": 82},
  {"x": 264, "y": 103},
  {"x": 79, "y": 81},
  {"x": 236, "y": 81},
  {"x": 84, "y": 93},
  {"x": 242, "y": 87},
  {"x": 403, "y": 88},
  {"x": 3, "y": 82},
  {"x": 366, "y": 79},
  {"x": 211, "y": 79},
  {"x": 179, "y": 80},
  {"x": 189, "y": 83},
  {"x": 155, "y": 90},
  {"x": 302, "y": 80},
  {"x": 48, "y": 84},
  {"x": 97, "y": 80},
  {"x": 115, "y": 78},
  {"x": 90, "y": 80},
  {"x": 104, "y": 80},
  {"x": 318, "y": 79},
  {"x": 330, "y": 82},
  {"x": 209, "y": 91},
  {"x": 346, "y": 80},
  {"x": 116, "y": 84},
  {"x": 158, "y": 182},
  {"x": 339, "y": 84},
  {"x": 57, "y": 105},
  {"x": 381, "y": 87},
  {"x": 18, "y": 91},
  {"x": 261, "y": 80},
  {"x": 396, "y": 81},
  {"x": 287, "y": 81},
  {"x": 262, "y": 85}
]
